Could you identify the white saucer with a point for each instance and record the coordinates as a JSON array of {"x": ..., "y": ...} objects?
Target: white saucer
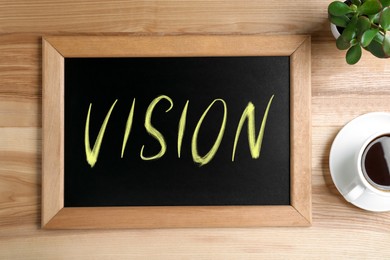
[{"x": 342, "y": 153}]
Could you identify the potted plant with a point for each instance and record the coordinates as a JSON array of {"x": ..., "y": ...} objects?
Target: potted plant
[{"x": 361, "y": 24}]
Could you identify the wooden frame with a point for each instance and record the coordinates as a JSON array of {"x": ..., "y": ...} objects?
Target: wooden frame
[{"x": 56, "y": 48}]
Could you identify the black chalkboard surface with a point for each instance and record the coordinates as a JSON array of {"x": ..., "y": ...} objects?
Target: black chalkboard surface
[{"x": 225, "y": 85}]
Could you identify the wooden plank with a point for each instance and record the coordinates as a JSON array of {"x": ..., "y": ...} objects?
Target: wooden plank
[
  {"x": 171, "y": 46},
  {"x": 19, "y": 179},
  {"x": 20, "y": 111},
  {"x": 20, "y": 84},
  {"x": 175, "y": 217},
  {"x": 333, "y": 77},
  {"x": 194, "y": 17},
  {"x": 300, "y": 121},
  {"x": 276, "y": 243},
  {"x": 53, "y": 141},
  {"x": 328, "y": 109}
]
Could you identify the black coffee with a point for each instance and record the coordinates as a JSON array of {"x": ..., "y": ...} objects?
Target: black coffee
[{"x": 376, "y": 162}]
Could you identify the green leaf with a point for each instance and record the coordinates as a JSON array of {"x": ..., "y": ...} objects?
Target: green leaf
[
  {"x": 341, "y": 21},
  {"x": 363, "y": 24},
  {"x": 376, "y": 47},
  {"x": 379, "y": 38},
  {"x": 353, "y": 8},
  {"x": 354, "y": 42},
  {"x": 342, "y": 43},
  {"x": 386, "y": 45},
  {"x": 368, "y": 36},
  {"x": 337, "y": 8},
  {"x": 385, "y": 19},
  {"x": 354, "y": 54},
  {"x": 374, "y": 18},
  {"x": 385, "y": 3},
  {"x": 370, "y": 7},
  {"x": 350, "y": 31}
]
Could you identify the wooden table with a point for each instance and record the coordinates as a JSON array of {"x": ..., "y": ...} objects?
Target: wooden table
[{"x": 340, "y": 93}]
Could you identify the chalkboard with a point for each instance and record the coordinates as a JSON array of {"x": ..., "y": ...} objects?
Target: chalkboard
[
  {"x": 128, "y": 180},
  {"x": 178, "y": 131}
]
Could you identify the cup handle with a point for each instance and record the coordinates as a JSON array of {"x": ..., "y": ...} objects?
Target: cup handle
[{"x": 354, "y": 193}]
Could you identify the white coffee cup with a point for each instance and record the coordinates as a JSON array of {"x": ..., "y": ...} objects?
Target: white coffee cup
[{"x": 359, "y": 181}]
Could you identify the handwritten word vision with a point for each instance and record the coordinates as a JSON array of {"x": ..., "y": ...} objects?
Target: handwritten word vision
[{"x": 248, "y": 115}]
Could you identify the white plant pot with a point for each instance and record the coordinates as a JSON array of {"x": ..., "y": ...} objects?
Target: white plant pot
[{"x": 334, "y": 31}]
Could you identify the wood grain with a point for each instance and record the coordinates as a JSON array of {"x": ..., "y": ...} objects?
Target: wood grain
[
  {"x": 20, "y": 74},
  {"x": 168, "y": 46},
  {"x": 339, "y": 93},
  {"x": 20, "y": 182},
  {"x": 150, "y": 16},
  {"x": 176, "y": 217},
  {"x": 53, "y": 141},
  {"x": 300, "y": 113}
]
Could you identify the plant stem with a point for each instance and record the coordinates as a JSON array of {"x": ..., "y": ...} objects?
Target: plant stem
[{"x": 374, "y": 25}]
